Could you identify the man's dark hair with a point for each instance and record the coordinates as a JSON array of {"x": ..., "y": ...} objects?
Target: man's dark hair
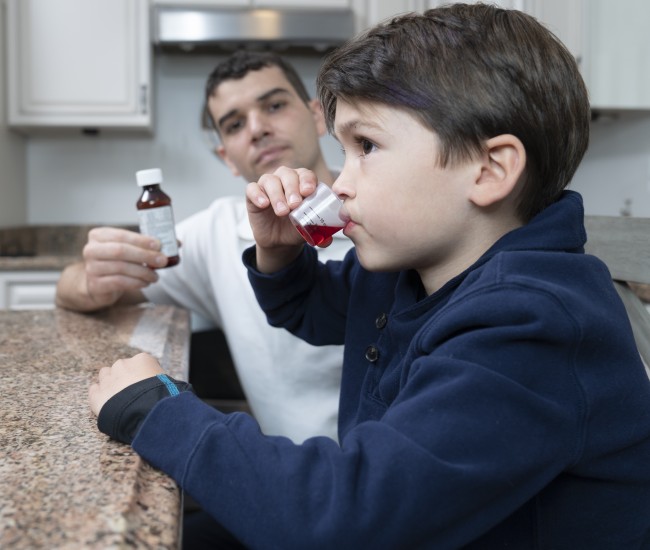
[
  {"x": 238, "y": 65},
  {"x": 471, "y": 72}
]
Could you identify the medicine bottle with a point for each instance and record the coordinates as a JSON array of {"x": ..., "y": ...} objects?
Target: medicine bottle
[{"x": 155, "y": 213}]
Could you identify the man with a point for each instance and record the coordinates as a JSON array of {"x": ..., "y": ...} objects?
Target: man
[{"x": 264, "y": 118}]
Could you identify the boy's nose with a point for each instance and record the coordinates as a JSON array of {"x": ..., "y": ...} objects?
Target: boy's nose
[{"x": 341, "y": 187}]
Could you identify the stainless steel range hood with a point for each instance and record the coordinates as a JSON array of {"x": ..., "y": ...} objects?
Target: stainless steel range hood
[{"x": 211, "y": 28}]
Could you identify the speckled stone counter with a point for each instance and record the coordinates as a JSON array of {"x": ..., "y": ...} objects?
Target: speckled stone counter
[{"x": 63, "y": 483}]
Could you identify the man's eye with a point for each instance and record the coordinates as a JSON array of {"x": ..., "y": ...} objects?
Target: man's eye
[
  {"x": 233, "y": 127},
  {"x": 276, "y": 106}
]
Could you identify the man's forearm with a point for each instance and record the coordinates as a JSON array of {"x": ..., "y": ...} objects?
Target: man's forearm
[{"x": 72, "y": 290}]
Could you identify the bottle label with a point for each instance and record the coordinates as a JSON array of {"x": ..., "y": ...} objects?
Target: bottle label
[{"x": 159, "y": 223}]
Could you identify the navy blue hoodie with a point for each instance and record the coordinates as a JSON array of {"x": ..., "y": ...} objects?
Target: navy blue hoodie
[{"x": 509, "y": 409}]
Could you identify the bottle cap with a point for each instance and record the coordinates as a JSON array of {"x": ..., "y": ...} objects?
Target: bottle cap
[{"x": 149, "y": 177}]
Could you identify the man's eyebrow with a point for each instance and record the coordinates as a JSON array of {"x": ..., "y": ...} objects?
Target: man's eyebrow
[
  {"x": 259, "y": 99},
  {"x": 272, "y": 92}
]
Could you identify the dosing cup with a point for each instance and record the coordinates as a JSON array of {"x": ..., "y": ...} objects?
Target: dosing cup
[{"x": 317, "y": 218}]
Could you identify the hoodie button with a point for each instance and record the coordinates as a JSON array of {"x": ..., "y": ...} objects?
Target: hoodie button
[
  {"x": 372, "y": 353},
  {"x": 380, "y": 322}
]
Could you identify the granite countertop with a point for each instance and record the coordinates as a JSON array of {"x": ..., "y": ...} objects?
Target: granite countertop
[{"x": 64, "y": 483}]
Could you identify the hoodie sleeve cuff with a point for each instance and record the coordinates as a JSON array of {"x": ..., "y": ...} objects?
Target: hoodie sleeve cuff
[{"x": 121, "y": 416}]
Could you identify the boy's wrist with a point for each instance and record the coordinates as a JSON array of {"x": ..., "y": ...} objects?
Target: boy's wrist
[
  {"x": 122, "y": 415},
  {"x": 272, "y": 259}
]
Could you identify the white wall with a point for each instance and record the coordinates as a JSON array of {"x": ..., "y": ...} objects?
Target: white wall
[
  {"x": 80, "y": 179},
  {"x": 91, "y": 179},
  {"x": 13, "y": 197},
  {"x": 616, "y": 167}
]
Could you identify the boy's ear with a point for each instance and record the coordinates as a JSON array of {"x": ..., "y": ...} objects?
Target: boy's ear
[
  {"x": 502, "y": 165},
  {"x": 221, "y": 151}
]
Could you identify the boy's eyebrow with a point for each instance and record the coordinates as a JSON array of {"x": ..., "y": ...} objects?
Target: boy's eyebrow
[
  {"x": 354, "y": 124},
  {"x": 259, "y": 99}
]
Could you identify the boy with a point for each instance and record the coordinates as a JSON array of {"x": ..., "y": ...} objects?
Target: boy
[{"x": 492, "y": 393}]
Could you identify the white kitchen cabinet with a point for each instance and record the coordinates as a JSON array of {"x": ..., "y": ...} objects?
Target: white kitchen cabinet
[
  {"x": 609, "y": 40},
  {"x": 371, "y": 12},
  {"x": 22, "y": 290},
  {"x": 79, "y": 63},
  {"x": 302, "y": 4},
  {"x": 563, "y": 17},
  {"x": 617, "y": 46}
]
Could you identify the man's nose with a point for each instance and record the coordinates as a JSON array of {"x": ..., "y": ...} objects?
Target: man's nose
[{"x": 258, "y": 124}]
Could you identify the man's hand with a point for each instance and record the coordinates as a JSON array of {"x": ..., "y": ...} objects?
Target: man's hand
[
  {"x": 117, "y": 262},
  {"x": 123, "y": 373}
]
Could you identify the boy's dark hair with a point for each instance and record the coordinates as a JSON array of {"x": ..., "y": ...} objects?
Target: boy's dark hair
[
  {"x": 469, "y": 73},
  {"x": 238, "y": 65}
]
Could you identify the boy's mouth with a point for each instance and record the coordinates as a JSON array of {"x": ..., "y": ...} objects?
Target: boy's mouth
[
  {"x": 344, "y": 216},
  {"x": 348, "y": 222}
]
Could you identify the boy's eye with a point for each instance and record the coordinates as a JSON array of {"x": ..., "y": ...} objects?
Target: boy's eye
[
  {"x": 362, "y": 146},
  {"x": 366, "y": 146}
]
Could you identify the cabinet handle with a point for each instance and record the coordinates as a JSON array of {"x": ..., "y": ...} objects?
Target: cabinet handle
[{"x": 143, "y": 99}]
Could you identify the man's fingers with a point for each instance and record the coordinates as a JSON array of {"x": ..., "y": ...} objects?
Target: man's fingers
[
  {"x": 117, "y": 234},
  {"x": 125, "y": 252}
]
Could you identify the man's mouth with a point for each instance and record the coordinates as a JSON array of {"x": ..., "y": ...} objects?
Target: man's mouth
[{"x": 269, "y": 155}]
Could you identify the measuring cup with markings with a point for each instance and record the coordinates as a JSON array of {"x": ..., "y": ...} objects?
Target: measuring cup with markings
[{"x": 317, "y": 218}]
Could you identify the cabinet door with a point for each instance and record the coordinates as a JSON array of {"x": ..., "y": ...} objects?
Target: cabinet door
[
  {"x": 22, "y": 290},
  {"x": 616, "y": 52},
  {"x": 565, "y": 18},
  {"x": 303, "y": 4},
  {"x": 610, "y": 42},
  {"x": 372, "y": 12},
  {"x": 79, "y": 63}
]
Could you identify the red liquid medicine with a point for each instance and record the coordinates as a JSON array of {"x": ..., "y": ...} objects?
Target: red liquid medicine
[
  {"x": 317, "y": 234},
  {"x": 317, "y": 218}
]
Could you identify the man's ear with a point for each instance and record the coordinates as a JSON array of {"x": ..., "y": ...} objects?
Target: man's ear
[
  {"x": 319, "y": 118},
  {"x": 502, "y": 164},
  {"x": 221, "y": 151}
]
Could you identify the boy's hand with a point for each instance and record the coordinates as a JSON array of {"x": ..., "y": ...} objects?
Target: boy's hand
[
  {"x": 123, "y": 373},
  {"x": 269, "y": 202}
]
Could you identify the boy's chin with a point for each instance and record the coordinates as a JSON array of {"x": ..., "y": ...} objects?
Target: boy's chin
[{"x": 373, "y": 262}]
